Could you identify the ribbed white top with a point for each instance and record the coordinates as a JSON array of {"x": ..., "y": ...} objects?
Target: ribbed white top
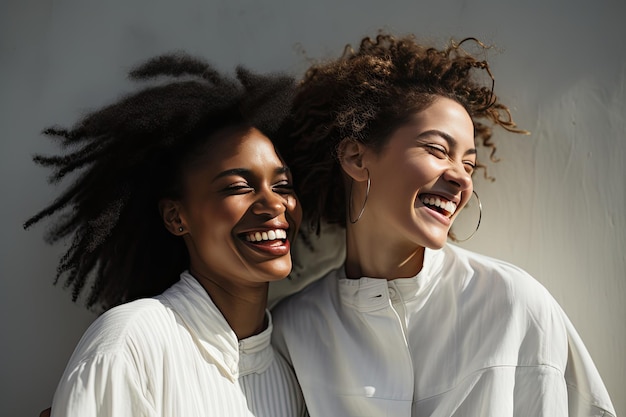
[{"x": 175, "y": 355}]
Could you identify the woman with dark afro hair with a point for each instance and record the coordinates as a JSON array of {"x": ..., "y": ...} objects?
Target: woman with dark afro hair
[
  {"x": 180, "y": 215},
  {"x": 383, "y": 142}
]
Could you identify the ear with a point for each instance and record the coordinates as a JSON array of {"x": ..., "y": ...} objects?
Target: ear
[
  {"x": 351, "y": 157},
  {"x": 170, "y": 213}
]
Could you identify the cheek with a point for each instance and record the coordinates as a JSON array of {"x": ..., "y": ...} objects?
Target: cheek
[
  {"x": 467, "y": 196},
  {"x": 218, "y": 219},
  {"x": 427, "y": 169},
  {"x": 232, "y": 210},
  {"x": 294, "y": 209},
  {"x": 409, "y": 178}
]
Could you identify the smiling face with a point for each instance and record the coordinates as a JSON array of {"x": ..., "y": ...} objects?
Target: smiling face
[
  {"x": 421, "y": 178},
  {"x": 239, "y": 212}
]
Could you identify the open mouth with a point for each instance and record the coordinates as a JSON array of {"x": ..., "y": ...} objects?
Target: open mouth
[
  {"x": 439, "y": 204},
  {"x": 269, "y": 237}
]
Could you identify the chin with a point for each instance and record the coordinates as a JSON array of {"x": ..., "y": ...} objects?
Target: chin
[
  {"x": 435, "y": 242},
  {"x": 278, "y": 272},
  {"x": 437, "y": 245}
]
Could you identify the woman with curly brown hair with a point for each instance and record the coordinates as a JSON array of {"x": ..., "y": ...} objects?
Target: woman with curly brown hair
[
  {"x": 181, "y": 214},
  {"x": 384, "y": 143}
]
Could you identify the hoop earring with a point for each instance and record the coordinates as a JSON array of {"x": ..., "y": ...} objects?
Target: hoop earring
[
  {"x": 367, "y": 193},
  {"x": 480, "y": 216}
]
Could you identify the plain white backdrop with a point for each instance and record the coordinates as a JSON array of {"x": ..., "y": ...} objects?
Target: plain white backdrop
[{"x": 557, "y": 207}]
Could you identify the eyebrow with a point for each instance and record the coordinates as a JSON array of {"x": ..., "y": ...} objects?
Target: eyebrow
[
  {"x": 453, "y": 142},
  {"x": 244, "y": 172}
]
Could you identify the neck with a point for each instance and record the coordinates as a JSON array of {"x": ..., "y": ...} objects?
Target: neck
[
  {"x": 366, "y": 256},
  {"x": 243, "y": 307}
]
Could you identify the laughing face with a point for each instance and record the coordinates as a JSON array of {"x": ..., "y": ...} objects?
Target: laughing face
[
  {"x": 421, "y": 178},
  {"x": 239, "y": 212}
]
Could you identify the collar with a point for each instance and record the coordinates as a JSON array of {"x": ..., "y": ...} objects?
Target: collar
[
  {"x": 370, "y": 294},
  {"x": 211, "y": 333}
]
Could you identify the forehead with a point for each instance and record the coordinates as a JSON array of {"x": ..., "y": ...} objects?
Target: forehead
[
  {"x": 445, "y": 118},
  {"x": 241, "y": 146}
]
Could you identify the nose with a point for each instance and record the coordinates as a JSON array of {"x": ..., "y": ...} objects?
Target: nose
[
  {"x": 457, "y": 175},
  {"x": 269, "y": 203}
]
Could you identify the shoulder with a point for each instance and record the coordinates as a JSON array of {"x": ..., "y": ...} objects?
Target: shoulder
[
  {"x": 482, "y": 263},
  {"x": 472, "y": 265},
  {"x": 314, "y": 294},
  {"x": 117, "y": 354},
  {"x": 498, "y": 279},
  {"x": 124, "y": 328},
  {"x": 131, "y": 317},
  {"x": 318, "y": 297},
  {"x": 517, "y": 307}
]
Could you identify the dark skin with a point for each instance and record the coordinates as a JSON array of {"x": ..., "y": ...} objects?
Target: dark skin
[{"x": 243, "y": 188}]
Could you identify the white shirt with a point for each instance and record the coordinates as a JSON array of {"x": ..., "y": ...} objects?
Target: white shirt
[
  {"x": 468, "y": 336},
  {"x": 174, "y": 355}
]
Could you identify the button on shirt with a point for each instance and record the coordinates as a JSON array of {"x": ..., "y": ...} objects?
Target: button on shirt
[
  {"x": 175, "y": 355},
  {"x": 468, "y": 336}
]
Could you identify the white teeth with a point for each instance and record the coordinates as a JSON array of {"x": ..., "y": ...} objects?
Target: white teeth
[
  {"x": 269, "y": 235},
  {"x": 448, "y": 206}
]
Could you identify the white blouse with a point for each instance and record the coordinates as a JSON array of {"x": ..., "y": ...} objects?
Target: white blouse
[
  {"x": 468, "y": 336},
  {"x": 175, "y": 355}
]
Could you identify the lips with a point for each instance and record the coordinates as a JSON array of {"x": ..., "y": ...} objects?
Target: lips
[
  {"x": 268, "y": 235},
  {"x": 272, "y": 242},
  {"x": 439, "y": 204}
]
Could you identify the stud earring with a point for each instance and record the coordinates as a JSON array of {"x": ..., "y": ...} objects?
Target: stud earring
[{"x": 180, "y": 228}]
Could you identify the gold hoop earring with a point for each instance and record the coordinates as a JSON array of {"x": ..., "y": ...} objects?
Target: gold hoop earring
[
  {"x": 480, "y": 216},
  {"x": 367, "y": 193}
]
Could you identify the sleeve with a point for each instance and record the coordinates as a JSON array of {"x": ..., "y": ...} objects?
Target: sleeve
[
  {"x": 103, "y": 386},
  {"x": 587, "y": 395}
]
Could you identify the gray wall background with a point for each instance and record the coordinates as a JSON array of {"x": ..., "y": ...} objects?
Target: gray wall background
[{"x": 556, "y": 208}]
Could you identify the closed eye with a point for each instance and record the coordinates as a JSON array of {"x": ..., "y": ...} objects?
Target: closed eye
[
  {"x": 469, "y": 166},
  {"x": 437, "y": 150},
  {"x": 441, "y": 153},
  {"x": 238, "y": 188},
  {"x": 283, "y": 187}
]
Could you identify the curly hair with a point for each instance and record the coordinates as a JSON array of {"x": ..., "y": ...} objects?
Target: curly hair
[
  {"x": 368, "y": 93},
  {"x": 133, "y": 153}
]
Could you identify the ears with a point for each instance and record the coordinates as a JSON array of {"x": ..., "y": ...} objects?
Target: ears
[
  {"x": 351, "y": 155},
  {"x": 171, "y": 214}
]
